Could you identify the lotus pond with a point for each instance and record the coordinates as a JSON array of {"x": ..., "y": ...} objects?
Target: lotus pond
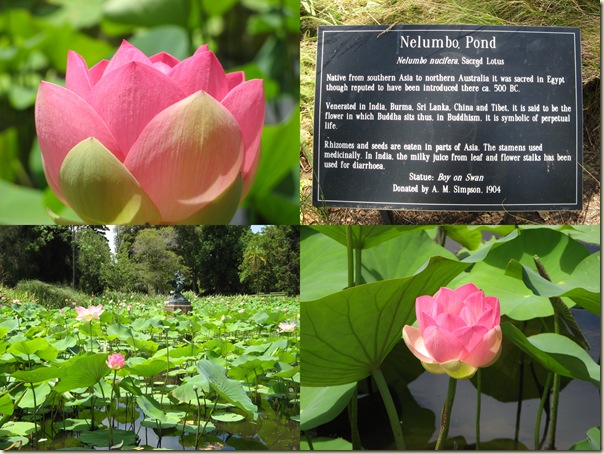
[
  {"x": 223, "y": 376},
  {"x": 362, "y": 387}
]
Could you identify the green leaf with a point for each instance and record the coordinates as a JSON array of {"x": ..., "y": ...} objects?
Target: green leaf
[
  {"x": 83, "y": 372},
  {"x": 168, "y": 38},
  {"x": 559, "y": 253},
  {"x": 153, "y": 410},
  {"x": 36, "y": 375},
  {"x": 39, "y": 346},
  {"x": 17, "y": 428},
  {"x": 192, "y": 390},
  {"x": 469, "y": 237},
  {"x": 21, "y": 205},
  {"x": 230, "y": 390},
  {"x": 591, "y": 443},
  {"x": 149, "y": 367},
  {"x": 347, "y": 335},
  {"x": 319, "y": 405},
  {"x": 41, "y": 391},
  {"x": 326, "y": 444},
  {"x": 101, "y": 437},
  {"x": 323, "y": 261},
  {"x": 224, "y": 416},
  {"x": 365, "y": 236},
  {"x": 6, "y": 405},
  {"x": 148, "y": 13},
  {"x": 214, "y": 8},
  {"x": 556, "y": 353},
  {"x": 279, "y": 143},
  {"x": 582, "y": 286}
]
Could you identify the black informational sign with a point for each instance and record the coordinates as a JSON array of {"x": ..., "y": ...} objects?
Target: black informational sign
[{"x": 449, "y": 117}]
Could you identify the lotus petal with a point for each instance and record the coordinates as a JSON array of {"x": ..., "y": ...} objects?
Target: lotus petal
[{"x": 101, "y": 190}]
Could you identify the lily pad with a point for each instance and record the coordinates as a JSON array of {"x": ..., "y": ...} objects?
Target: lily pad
[{"x": 227, "y": 417}]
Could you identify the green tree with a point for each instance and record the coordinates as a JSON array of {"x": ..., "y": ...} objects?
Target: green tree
[
  {"x": 35, "y": 252},
  {"x": 155, "y": 261},
  {"x": 119, "y": 274},
  {"x": 219, "y": 256},
  {"x": 92, "y": 257},
  {"x": 272, "y": 260}
]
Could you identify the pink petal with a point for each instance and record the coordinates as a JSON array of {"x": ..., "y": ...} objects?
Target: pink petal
[
  {"x": 202, "y": 71},
  {"x": 424, "y": 320},
  {"x": 449, "y": 322},
  {"x": 415, "y": 342},
  {"x": 424, "y": 304},
  {"x": 442, "y": 345},
  {"x": 486, "y": 319},
  {"x": 76, "y": 76},
  {"x": 165, "y": 58},
  {"x": 63, "y": 120},
  {"x": 487, "y": 350},
  {"x": 201, "y": 49},
  {"x": 164, "y": 62},
  {"x": 465, "y": 290},
  {"x": 494, "y": 303},
  {"x": 129, "y": 97},
  {"x": 450, "y": 300},
  {"x": 467, "y": 315},
  {"x": 127, "y": 53},
  {"x": 97, "y": 71},
  {"x": 469, "y": 336},
  {"x": 475, "y": 303},
  {"x": 235, "y": 78},
  {"x": 188, "y": 155},
  {"x": 247, "y": 104}
]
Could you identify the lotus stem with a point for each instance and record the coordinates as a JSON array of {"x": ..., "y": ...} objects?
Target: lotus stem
[
  {"x": 350, "y": 256},
  {"x": 357, "y": 263},
  {"x": 395, "y": 423},
  {"x": 546, "y": 389},
  {"x": 353, "y": 419},
  {"x": 446, "y": 415},
  {"x": 308, "y": 440},
  {"x": 478, "y": 396},
  {"x": 556, "y": 386}
]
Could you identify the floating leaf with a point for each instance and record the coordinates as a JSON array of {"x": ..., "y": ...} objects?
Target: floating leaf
[
  {"x": 223, "y": 416},
  {"x": 101, "y": 437}
]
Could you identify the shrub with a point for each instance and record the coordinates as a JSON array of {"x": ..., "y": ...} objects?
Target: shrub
[{"x": 50, "y": 295}]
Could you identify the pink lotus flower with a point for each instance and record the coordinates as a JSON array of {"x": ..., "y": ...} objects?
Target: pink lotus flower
[
  {"x": 458, "y": 331},
  {"x": 287, "y": 327},
  {"x": 116, "y": 361},
  {"x": 139, "y": 139},
  {"x": 87, "y": 315}
]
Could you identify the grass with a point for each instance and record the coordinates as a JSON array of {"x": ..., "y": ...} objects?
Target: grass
[{"x": 584, "y": 14}]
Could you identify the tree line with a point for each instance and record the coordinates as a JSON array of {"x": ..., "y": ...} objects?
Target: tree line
[{"x": 212, "y": 259}]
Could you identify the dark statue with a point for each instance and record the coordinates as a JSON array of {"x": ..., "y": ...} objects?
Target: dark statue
[{"x": 177, "y": 298}]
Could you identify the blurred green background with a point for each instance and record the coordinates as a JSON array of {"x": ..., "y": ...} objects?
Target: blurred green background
[{"x": 260, "y": 37}]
